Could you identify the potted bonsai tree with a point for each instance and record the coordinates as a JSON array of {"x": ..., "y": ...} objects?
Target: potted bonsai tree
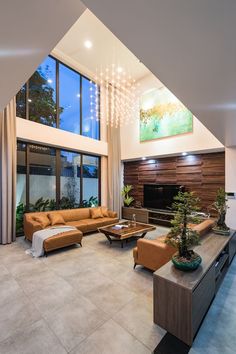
[
  {"x": 181, "y": 235},
  {"x": 220, "y": 206},
  {"x": 125, "y": 194}
]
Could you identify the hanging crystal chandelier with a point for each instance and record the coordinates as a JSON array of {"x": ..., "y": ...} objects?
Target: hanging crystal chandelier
[{"x": 119, "y": 96}]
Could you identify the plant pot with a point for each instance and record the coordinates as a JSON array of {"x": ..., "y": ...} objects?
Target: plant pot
[
  {"x": 186, "y": 264},
  {"x": 219, "y": 231}
]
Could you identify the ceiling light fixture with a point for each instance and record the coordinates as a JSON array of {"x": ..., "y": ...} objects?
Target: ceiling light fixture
[
  {"x": 121, "y": 96},
  {"x": 143, "y": 158},
  {"x": 184, "y": 153},
  {"x": 88, "y": 44}
]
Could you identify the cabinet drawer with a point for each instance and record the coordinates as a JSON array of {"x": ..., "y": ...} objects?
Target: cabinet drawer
[{"x": 202, "y": 297}]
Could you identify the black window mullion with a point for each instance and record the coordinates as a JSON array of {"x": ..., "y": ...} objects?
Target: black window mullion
[
  {"x": 57, "y": 95},
  {"x": 81, "y": 178},
  {"x": 99, "y": 114},
  {"x": 27, "y": 176},
  {"x": 99, "y": 180},
  {"x": 27, "y": 100},
  {"x": 81, "y": 110},
  {"x": 58, "y": 178}
]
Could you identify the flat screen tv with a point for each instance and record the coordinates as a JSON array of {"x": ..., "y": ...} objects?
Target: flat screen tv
[{"x": 160, "y": 196}]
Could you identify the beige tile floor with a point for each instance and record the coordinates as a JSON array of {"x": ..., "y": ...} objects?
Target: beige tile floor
[{"x": 90, "y": 300}]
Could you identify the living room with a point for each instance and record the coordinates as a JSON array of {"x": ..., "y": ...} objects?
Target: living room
[{"x": 117, "y": 183}]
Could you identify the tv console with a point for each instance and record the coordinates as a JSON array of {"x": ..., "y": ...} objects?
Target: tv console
[
  {"x": 182, "y": 299},
  {"x": 148, "y": 216}
]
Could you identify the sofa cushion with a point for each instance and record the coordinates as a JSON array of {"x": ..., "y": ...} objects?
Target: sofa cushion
[
  {"x": 104, "y": 211},
  {"x": 79, "y": 224},
  {"x": 94, "y": 224},
  {"x": 56, "y": 219},
  {"x": 42, "y": 219},
  {"x": 96, "y": 213},
  {"x": 75, "y": 214}
]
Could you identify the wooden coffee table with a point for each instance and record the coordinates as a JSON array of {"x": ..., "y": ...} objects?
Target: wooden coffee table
[{"x": 130, "y": 232}]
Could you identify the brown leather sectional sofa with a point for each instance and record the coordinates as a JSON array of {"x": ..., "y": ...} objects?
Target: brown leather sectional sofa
[
  {"x": 153, "y": 254},
  {"x": 84, "y": 219}
]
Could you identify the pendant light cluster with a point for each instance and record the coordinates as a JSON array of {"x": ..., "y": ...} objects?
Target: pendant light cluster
[{"x": 119, "y": 96}]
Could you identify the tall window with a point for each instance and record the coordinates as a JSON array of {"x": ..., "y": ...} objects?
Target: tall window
[
  {"x": 69, "y": 98},
  {"x": 60, "y": 97},
  {"x": 70, "y": 179},
  {"x": 21, "y": 174},
  {"x": 90, "y": 108},
  {"x": 42, "y": 93},
  {"x": 90, "y": 179},
  {"x": 50, "y": 178},
  {"x": 42, "y": 174}
]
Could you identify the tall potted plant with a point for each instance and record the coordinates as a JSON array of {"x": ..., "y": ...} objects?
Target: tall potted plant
[
  {"x": 125, "y": 194},
  {"x": 220, "y": 206},
  {"x": 181, "y": 235}
]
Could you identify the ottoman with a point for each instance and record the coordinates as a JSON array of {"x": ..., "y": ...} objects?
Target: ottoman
[{"x": 62, "y": 240}]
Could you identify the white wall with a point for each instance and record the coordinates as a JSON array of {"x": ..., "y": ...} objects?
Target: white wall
[
  {"x": 40, "y": 133},
  {"x": 230, "y": 184},
  {"x": 131, "y": 148}
]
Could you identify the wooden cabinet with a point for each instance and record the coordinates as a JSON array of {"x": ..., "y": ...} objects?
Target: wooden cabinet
[
  {"x": 148, "y": 216},
  {"x": 181, "y": 299},
  {"x": 141, "y": 214}
]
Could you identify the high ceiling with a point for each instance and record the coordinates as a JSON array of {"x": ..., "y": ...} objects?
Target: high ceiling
[
  {"x": 29, "y": 30},
  {"x": 106, "y": 48},
  {"x": 189, "y": 45}
]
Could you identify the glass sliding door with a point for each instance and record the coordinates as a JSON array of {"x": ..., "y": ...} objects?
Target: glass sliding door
[
  {"x": 21, "y": 174},
  {"x": 90, "y": 180},
  {"x": 50, "y": 178},
  {"x": 70, "y": 184},
  {"x": 42, "y": 177},
  {"x": 20, "y": 187}
]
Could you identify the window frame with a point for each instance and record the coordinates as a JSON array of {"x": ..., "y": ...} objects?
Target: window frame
[
  {"x": 58, "y": 62},
  {"x": 58, "y": 172}
]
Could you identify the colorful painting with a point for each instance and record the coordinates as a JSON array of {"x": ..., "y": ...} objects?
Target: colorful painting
[{"x": 163, "y": 115}]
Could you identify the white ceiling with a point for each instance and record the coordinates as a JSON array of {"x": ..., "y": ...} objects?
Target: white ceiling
[
  {"x": 106, "y": 50},
  {"x": 29, "y": 30},
  {"x": 189, "y": 45}
]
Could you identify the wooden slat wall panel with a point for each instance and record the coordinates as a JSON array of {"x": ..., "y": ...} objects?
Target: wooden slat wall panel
[{"x": 202, "y": 173}]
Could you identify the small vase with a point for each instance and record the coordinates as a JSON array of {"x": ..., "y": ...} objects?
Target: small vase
[{"x": 186, "y": 264}]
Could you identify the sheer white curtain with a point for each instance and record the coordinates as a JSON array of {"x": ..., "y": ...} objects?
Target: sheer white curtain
[
  {"x": 7, "y": 173},
  {"x": 114, "y": 169}
]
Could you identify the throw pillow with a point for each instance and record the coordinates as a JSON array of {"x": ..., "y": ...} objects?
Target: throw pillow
[
  {"x": 42, "y": 220},
  {"x": 96, "y": 213},
  {"x": 104, "y": 211},
  {"x": 56, "y": 219}
]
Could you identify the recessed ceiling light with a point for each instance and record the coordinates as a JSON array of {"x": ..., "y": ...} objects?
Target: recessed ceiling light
[
  {"x": 88, "y": 44},
  {"x": 184, "y": 153},
  {"x": 119, "y": 69},
  {"x": 143, "y": 158}
]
